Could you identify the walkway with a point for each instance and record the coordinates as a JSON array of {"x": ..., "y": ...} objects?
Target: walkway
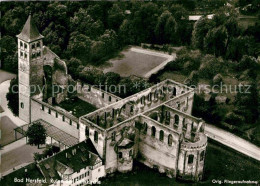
[{"x": 233, "y": 141}]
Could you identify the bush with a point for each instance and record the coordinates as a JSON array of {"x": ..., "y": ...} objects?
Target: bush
[
  {"x": 210, "y": 66},
  {"x": 218, "y": 79},
  {"x": 234, "y": 119}
]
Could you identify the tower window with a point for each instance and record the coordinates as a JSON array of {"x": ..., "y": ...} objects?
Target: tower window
[
  {"x": 25, "y": 55},
  {"x": 25, "y": 46},
  {"x": 22, "y": 105},
  {"x": 70, "y": 122},
  {"x": 109, "y": 98},
  {"x": 63, "y": 118},
  {"x": 38, "y": 44},
  {"x": 77, "y": 126},
  {"x": 21, "y": 54},
  {"x": 21, "y": 44},
  {"x": 33, "y": 55},
  {"x": 103, "y": 95},
  {"x": 33, "y": 46},
  {"x": 49, "y": 111}
]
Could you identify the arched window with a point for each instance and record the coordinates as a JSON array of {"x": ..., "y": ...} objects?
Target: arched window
[
  {"x": 183, "y": 122},
  {"x": 202, "y": 154},
  {"x": 87, "y": 131},
  {"x": 22, "y": 105},
  {"x": 38, "y": 44},
  {"x": 178, "y": 105},
  {"x": 120, "y": 155},
  {"x": 97, "y": 120},
  {"x": 130, "y": 153},
  {"x": 176, "y": 119},
  {"x": 145, "y": 128},
  {"x": 113, "y": 136},
  {"x": 190, "y": 158},
  {"x": 161, "y": 135},
  {"x": 167, "y": 118},
  {"x": 96, "y": 136},
  {"x": 174, "y": 91},
  {"x": 170, "y": 140},
  {"x": 21, "y": 44},
  {"x": 142, "y": 99},
  {"x": 153, "y": 131}
]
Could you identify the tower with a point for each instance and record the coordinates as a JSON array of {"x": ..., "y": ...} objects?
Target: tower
[{"x": 30, "y": 66}]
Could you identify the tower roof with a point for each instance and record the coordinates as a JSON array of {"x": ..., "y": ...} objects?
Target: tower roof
[{"x": 30, "y": 31}]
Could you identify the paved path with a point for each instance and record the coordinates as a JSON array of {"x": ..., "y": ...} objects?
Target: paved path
[
  {"x": 154, "y": 53},
  {"x": 4, "y": 86},
  {"x": 233, "y": 141},
  {"x": 13, "y": 145}
]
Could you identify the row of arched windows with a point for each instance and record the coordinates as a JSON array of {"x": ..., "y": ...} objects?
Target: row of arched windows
[{"x": 161, "y": 134}]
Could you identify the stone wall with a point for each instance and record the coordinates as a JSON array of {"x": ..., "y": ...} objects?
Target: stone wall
[
  {"x": 155, "y": 151},
  {"x": 64, "y": 121},
  {"x": 95, "y": 96}
]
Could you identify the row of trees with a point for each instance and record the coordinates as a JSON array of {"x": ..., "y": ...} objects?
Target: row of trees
[
  {"x": 94, "y": 31},
  {"x": 222, "y": 36}
]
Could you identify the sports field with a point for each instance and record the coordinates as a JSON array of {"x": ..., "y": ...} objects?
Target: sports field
[{"x": 139, "y": 62}]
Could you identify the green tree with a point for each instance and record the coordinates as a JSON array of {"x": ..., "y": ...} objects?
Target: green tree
[
  {"x": 8, "y": 55},
  {"x": 200, "y": 30},
  {"x": 79, "y": 47},
  {"x": 215, "y": 41},
  {"x": 115, "y": 17},
  {"x": 13, "y": 97},
  {"x": 36, "y": 134}
]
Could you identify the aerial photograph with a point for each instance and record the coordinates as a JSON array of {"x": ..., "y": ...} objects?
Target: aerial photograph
[{"x": 130, "y": 92}]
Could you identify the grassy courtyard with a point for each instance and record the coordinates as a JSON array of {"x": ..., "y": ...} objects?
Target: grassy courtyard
[{"x": 77, "y": 107}]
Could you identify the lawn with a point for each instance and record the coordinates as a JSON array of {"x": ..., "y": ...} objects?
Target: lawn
[
  {"x": 134, "y": 63},
  {"x": 221, "y": 163},
  {"x": 77, "y": 107},
  {"x": 7, "y": 131}
]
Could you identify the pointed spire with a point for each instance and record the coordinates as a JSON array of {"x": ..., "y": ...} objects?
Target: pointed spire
[{"x": 30, "y": 31}]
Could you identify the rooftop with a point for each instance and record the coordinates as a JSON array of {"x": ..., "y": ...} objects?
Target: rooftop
[
  {"x": 70, "y": 160},
  {"x": 30, "y": 31}
]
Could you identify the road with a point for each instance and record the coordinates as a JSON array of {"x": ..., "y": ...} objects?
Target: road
[{"x": 233, "y": 141}]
